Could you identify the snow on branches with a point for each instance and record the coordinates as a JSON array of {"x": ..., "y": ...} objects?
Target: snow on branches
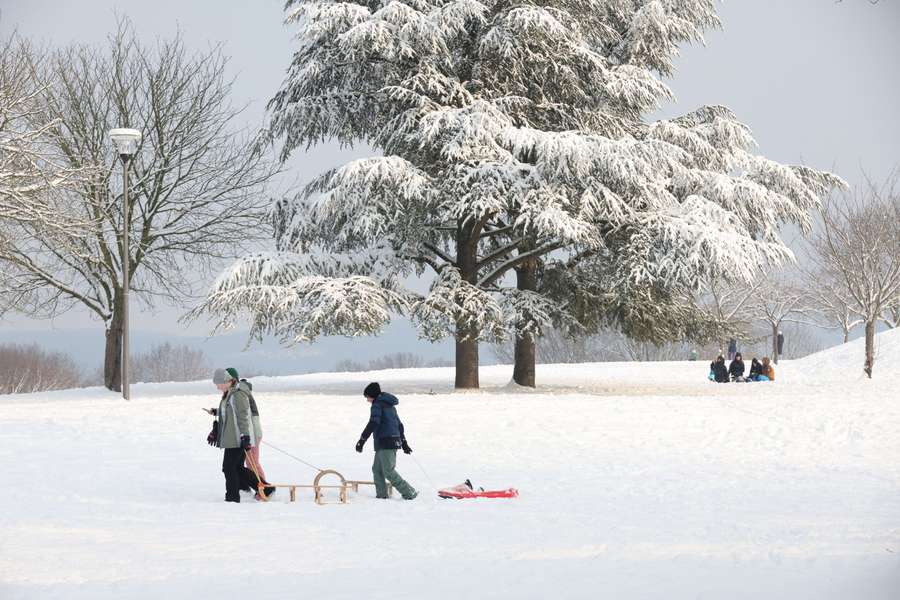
[
  {"x": 452, "y": 302},
  {"x": 281, "y": 298},
  {"x": 31, "y": 172},
  {"x": 513, "y": 133}
]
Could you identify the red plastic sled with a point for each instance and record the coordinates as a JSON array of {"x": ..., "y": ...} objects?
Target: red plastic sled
[{"x": 466, "y": 490}]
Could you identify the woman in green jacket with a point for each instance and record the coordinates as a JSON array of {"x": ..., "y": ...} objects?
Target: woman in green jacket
[{"x": 234, "y": 434}]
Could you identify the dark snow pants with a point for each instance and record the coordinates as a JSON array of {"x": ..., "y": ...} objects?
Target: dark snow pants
[
  {"x": 383, "y": 468},
  {"x": 237, "y": 476}
]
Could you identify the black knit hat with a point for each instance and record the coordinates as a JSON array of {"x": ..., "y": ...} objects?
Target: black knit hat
[{"x": 373, "y": 390}]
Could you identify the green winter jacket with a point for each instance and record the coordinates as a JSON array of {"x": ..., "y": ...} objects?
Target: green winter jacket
[{"x": 234, "y": 418}]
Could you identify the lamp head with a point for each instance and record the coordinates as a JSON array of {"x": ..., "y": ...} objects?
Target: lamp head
[{"x": 126, "y": 140}]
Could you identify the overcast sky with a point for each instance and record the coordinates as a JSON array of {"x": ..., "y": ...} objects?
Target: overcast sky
[{"x": 816, "y": 80}]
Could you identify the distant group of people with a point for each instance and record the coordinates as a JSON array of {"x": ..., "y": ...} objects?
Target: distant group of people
[{"x": 759, "y": 370}]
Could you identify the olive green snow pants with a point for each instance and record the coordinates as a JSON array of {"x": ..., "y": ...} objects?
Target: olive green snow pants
[{"x": 383, "y": 468}]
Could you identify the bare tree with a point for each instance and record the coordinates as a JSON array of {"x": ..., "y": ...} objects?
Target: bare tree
[
  {"x": 858, "y": 248},
  {"x": 348, "y": 366},
  {"x": 198, "y": 191},
  {"x": 802, "y": 341},
  {"x": 558, "y": 347},
  {"x": 25, "y": 369},
  {"x": 31, "y": 168},
  {"x": 165, "y": 362},
  {"x": 779, "y": 299},
  {"x": 831, "y": 303},
  {"x": 729, "y": 304},
  {"x": 439, "y": 362},
  {"x": 399, "y": 360},
  {"x": 641, "y": 351}
]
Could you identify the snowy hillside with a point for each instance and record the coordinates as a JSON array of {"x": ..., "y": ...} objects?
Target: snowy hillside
[
  {"x": 846, "y": 360},
  {"x": 636, "y": 480}
]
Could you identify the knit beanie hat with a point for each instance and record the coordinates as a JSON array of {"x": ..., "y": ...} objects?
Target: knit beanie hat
[
  {"x": 373, "y": 390},
  {"x": 224, "y": 375},
  {"x": 219, "y": 376}
]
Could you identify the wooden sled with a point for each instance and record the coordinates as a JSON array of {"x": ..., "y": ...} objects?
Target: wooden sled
[
  {"x": 318, "y": 487},
  {"x": 344, "y": 487}
]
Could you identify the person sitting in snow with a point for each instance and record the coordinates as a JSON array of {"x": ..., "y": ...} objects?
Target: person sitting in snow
[
  {"x": 768, "y": 370},
  {"x": 736, "y": 368},
  {"x": 718, "y": 372},
  {"x": 389, "y": 436},
  {"x": 755, "y": 370},
  {"x": 234, "y": 432}
]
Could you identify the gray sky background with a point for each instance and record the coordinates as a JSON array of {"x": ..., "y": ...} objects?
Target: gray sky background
[{"x": 816, "y": 80}]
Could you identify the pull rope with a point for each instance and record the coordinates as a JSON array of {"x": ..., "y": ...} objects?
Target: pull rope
[
  {"x": 298, "y": 459},
  {"x": 424, "y": 472}
]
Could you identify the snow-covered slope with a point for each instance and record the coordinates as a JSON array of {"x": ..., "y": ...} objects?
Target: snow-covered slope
[
  {"x": 846, "y": 360},
  {"x": 636, "y": 480}
]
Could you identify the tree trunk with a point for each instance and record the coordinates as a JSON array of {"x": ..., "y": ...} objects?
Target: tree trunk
[
  {"x": 466, "y": 360},
  {"x": 112, "y": 362},
  {"x": 523, "y": 371},
  {"x": 870, "y": 347},
  {"x": 466, "y": 336},
  {"x": 775, "y": 344}
]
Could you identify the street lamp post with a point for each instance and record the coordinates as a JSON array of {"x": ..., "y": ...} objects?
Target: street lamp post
[{"x": 126, "y": 141}]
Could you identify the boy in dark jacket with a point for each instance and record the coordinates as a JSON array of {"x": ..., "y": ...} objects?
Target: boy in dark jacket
[{"x": 389, "y": 437}]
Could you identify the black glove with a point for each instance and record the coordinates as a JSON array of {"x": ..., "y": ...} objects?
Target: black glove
[
  {"x": 360, "y": 444},
  {"x": 245, "y": 442},
  {"x": 405, "y": 446},
  {"x": 213, "y": 436}
]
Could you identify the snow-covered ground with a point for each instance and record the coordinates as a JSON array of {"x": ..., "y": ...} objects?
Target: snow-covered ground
[{"x": 636, "y": 481}]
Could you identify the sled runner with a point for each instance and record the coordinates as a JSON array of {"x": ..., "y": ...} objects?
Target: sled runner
[
  {"x": 354, "y": 485},
  {"x": 467, "y": 490}
]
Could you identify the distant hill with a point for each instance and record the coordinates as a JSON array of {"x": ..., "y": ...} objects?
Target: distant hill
[{"x": 85, "y": 346}]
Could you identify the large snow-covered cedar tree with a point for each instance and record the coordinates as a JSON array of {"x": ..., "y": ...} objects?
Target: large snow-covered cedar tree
[{"x": 512, "y": 135}]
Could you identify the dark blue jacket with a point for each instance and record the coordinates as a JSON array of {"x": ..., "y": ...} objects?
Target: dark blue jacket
[{"x": 384, "y": 423}]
